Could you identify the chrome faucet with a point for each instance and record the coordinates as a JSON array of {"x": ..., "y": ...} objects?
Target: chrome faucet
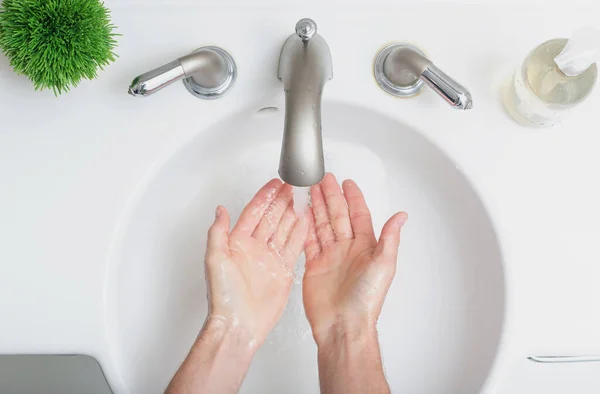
[
  {"x": 207, "y": 73},
  {"x": 402, "y": 69},
  {"x": 304, "y": 68}
]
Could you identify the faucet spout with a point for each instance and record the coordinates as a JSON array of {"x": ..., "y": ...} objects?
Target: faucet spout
[{"x": 304, "y": 67}]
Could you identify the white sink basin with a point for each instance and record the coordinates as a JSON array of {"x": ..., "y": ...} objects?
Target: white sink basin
[{"x": 443, "y": 317}]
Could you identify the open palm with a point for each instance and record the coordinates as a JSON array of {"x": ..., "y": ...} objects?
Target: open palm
[
  {"x": 249, "y": 271},
  {"x": 348, "y": 272}
]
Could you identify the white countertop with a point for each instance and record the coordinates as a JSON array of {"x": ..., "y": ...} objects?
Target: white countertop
[{"x": 68, "y": 166}]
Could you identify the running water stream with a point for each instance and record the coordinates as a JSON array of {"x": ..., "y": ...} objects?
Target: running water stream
[{"x": 301, "y": 199}]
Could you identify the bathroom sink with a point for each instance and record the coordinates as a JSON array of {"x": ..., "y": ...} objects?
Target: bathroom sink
[{"x": 442, "y": 321}]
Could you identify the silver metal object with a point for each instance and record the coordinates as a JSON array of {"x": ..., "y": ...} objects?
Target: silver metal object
[
  {"x": 51, "y": 374},
  {"x": 564, "y": 359},
  {"x": 207, "y": 73},
  {"x": 304, "y": 67},
  {"x": 305, "y": 29},
  {"x": 402, "y": 69}
]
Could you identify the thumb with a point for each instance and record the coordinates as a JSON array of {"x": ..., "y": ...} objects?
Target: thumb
[
  {"x": 218, "y": 234},
  {"x": 390, "y": 236}
]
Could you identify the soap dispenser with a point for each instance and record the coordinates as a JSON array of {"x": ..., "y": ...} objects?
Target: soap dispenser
[{"x": 556, "y": 76}]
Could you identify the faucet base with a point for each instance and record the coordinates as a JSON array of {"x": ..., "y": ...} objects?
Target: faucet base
[
  {"x": 408, "y": 85},
  {"x": 201, "y": 90}
]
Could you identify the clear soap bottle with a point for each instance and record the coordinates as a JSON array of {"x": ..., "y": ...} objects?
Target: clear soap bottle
[{"x": 556, "y": 76}]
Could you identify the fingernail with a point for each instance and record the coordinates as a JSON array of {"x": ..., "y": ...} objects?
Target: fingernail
[
  {"x": 403, "y": 218},
  {"x": 217, "y": 212}
]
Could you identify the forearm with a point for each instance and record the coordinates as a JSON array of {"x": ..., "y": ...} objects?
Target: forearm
[
  {"x": 351, "y": 363},
  {"x": 217, "y": 362}
]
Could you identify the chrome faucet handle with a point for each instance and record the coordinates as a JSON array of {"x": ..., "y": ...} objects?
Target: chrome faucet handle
[
  {"x": 207, "y": 73},
  {"x": 402, "y": 69}
]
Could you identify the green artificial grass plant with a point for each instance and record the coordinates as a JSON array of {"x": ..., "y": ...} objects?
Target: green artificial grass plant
[{"x": 56, "y": 43}]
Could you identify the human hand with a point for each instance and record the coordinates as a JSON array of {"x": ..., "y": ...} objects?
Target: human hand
[
  {"x": 348, "y": 272},
  {"x": 249, "y": 271}
]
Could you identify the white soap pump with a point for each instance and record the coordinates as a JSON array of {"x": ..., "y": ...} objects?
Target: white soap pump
[{"x": 556, "y": 76}]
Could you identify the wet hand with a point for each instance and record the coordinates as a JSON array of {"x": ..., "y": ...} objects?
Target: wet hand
[
  {"x": 348, "y": 271},
  {"x": 249, "y": 270}
]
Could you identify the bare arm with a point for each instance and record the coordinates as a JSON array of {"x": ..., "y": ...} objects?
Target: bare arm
[
  {"x": 348, "y": 274},
  {"x": 249, "y": 277},
  {"x": 217, "y": 362},
  {"x": 351, "y": 363}
]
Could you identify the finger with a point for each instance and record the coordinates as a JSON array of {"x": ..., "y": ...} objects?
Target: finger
[
  {"x": 286, "y": 224},
  {"x": 360, "y": 216},
  {"x": 297, "y": 240},
  {"x": 256, "y": 208},
  {"x": 323, "y": 227},
  {"x": 270, "y": 220},
  {"x": 218, "y": 233},
  {"x": 312, "y": 247},
  {"x": 336, "y": 207},
  {"x": 390, "y": 236}
]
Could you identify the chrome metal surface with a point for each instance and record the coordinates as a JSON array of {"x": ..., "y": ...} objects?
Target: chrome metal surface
[
  {"x": 304, "y": 68},
  {"x": 212, "y": 72},
  {"x": 402, "y": 69},
  {"x": 406, "y": 83},
  {"x": 455, "y": 94},
  {"x": 306, "y": 28},
  {"x": 208, "y": 73},
  {"x": 154, "y": 80},
  {"x": 564, "y": 359}
]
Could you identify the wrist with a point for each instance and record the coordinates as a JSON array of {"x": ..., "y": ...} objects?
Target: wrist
[
  {"x": 346, "y": 334},
  {"x": 229, "y": 336},
  {"x": 349, "y": 360},
  {"x": 218, "y": 360}
]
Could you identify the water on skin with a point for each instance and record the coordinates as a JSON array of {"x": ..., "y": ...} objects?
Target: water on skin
[{"x": 293, "y": 328}]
